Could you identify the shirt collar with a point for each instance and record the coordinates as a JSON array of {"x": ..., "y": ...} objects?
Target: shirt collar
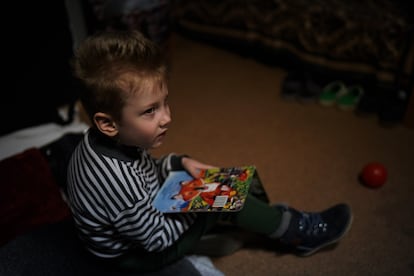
[{"x": 112, "y": 148}]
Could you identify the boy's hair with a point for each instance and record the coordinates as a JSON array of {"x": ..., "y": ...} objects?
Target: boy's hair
[{"x": 112, "y": 65}]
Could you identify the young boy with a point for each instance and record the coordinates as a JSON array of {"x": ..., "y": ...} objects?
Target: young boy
[{"x": 112, "y": 179}]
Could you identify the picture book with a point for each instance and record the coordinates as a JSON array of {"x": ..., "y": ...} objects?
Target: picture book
[{"x": 215, "y": 190}]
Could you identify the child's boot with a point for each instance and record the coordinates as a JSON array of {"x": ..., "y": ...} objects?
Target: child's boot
[{"x": 307, "y": 232}]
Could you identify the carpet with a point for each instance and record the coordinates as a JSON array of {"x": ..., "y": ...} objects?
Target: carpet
[{"x": 227, "y": 111}]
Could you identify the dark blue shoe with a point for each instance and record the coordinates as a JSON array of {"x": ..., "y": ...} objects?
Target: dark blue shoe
[{"x": 309, "y": 232}]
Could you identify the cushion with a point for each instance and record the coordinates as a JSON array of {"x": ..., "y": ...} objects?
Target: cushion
[{"x": 29, "y": 195}]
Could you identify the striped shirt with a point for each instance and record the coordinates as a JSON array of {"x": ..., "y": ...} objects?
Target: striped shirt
[{"x": 110, "y": 192}]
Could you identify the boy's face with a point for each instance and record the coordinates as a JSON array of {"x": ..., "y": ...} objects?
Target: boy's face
[{"x": 145, "y": 118}]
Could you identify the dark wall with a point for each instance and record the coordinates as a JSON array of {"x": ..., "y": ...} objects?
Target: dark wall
[{"x": 38, "y": 45}]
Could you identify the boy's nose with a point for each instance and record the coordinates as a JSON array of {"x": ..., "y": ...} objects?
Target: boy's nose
[{"x": 166, "y": 119}]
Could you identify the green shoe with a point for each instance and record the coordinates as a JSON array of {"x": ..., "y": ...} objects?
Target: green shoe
[
  {"x": 331, "y": 92},
  {"x": 351, "y": 99}
]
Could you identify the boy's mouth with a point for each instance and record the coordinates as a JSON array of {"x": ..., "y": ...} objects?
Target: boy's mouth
[{"x": 162, "y": 135}]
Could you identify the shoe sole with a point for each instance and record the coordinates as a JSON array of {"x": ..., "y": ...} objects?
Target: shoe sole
[
  {"x": 327, "y": 103},
  {"x": 218, "y": 245},
  {"x": 314, "y": 250},
  {"x": 346, "y": 108}
]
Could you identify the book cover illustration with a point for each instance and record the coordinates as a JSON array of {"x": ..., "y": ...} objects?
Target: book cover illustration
[{"x": 216, "y": 190}]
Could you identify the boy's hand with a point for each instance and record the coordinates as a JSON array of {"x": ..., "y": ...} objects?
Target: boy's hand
[{"x": 193, "y": 167}]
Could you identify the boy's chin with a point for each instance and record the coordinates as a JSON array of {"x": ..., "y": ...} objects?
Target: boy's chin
[
  {"x": 157, "y": 142},
  {"x": 155, "y": 145}
]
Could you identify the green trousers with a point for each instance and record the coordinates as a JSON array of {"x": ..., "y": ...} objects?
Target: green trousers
[{"x": 256, "y": 216}]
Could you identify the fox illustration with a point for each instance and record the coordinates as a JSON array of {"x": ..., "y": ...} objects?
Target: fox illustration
[{"x": 207, "y": 191}]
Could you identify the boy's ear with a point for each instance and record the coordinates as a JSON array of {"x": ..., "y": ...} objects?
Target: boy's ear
[{"x": 105, "y": 124}]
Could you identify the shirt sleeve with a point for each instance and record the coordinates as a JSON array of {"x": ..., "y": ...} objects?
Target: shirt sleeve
[
  {"x": 167, "y": 163},
  {"x": 138, "y": 220},
  {"x": 149, "y": 228}
]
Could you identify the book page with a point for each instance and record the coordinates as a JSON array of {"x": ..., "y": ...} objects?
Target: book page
[{"x": 216, "y": 190}]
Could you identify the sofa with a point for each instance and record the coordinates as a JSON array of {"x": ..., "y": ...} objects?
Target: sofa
[
  {"x": 368, "y": 38},
  {"x": 38, "y": 236},
  {"x": 360, "y": 43}
]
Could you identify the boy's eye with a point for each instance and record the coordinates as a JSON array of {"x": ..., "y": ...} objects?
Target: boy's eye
[{"x": 150, "y": 110}]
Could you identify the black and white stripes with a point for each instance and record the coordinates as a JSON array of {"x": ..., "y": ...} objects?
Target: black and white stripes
[{"x": 110, "y": 190}]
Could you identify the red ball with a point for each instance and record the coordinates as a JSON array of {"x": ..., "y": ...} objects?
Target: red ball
[{"x": 374, "y": 174}]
